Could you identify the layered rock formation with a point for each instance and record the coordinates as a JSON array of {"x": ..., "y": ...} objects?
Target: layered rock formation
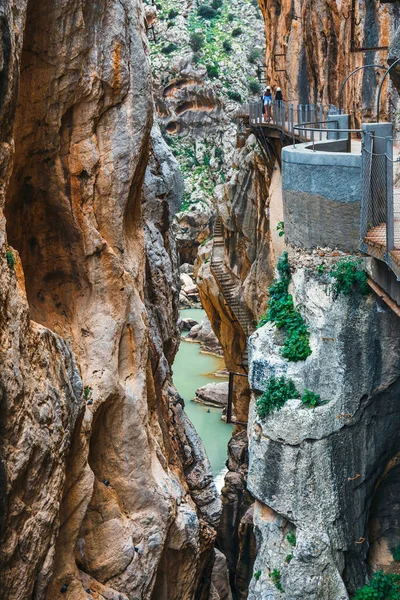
[
  {"x": 327, "y": 474},
  {"x": 202, "y": 69},
  {"x": 311, "y": 46},
  {"x": 105, "y": 486}
]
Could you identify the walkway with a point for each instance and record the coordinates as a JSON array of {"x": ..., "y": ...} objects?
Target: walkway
[{"x": 230, "y": 286}]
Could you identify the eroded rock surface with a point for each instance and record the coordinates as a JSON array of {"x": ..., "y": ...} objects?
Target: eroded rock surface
[
  {"x": 104, "y": 482},
  {"x": 320, "y": 473}
]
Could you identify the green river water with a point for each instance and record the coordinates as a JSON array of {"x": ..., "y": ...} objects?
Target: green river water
[{"x": 191, "y": 370}]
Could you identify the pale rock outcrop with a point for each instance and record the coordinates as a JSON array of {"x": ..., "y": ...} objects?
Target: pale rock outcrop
[
  {"x": 213, "y": 394},
  {"x": 319, "y": 472},
  {"x": 203, "y": 333},
  {"x": 198, "y": 92}
]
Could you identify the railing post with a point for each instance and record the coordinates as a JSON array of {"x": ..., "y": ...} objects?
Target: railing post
[
  {"x": 389, "y": 197},
  {"x": 230, "y": 398},
  {"x": 366, "y": 163}
]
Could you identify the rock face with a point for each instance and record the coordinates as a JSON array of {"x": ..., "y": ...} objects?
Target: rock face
[
  {"x": 203, "y": 334},
  {"x": 309, "y": 51},
  {"x": 104, "y": 483},
  {"x": 327, "y": 474},
  {"x": 202, "y": 69},
  {"x": 213, "y": 394}
]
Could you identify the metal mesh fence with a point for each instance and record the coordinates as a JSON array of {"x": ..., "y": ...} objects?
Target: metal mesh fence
[{"x": 378, "y": 224}]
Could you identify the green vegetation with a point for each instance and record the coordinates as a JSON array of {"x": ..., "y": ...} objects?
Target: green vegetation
[
  {"x": 173, "y": 13},
  {"x": 349, "y": 277},
  {"x": 171, "y": 47},
  {"x": 276, "y": 578},
  {"x": 291, "y": 538},
  {"x": 235, "y": 96},
  {"x": 237, "y": 32},
  {"x": 310, "y": 399},
  {"x": 196, "y": 41},
  {"x": 320, "y": 268},
  {"x": 206, "y": 12},
  {"x": 257, "y": 575},
  {"x": 227, "y": 46},
  {"x": 86, "y": 391},
  {"x": 278, "y": 391},
  {"x": 254, "y": 55},
  {"x": 289, "y": 558},
  {"x": 10, "y": 258},
  {"x": 281, "y": 228},
  {"x": 213, "y": 71},
  {"x": 216, "y": 4},
  {"x": 230, "y": 17},
  {"x": 396, "y": 552},
  {"x": 254, "y": 86},
  {"x": 282, "y": 312},
  {"x": 381, "y": 587}
]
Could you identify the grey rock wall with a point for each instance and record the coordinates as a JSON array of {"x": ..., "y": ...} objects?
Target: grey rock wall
[{"x": 316, "y": 471}]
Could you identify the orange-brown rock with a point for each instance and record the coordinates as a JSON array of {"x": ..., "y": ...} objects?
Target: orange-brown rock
[
  {"x": 104, "y": 481},
  {"x": 312, "y": 46}
]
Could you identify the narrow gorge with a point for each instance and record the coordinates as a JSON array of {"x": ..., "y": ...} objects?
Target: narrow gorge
[{"x": 199, "y": 300}]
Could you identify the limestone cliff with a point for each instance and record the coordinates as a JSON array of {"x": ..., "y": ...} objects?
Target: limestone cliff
[
  {"x": 311, "y": 46},
  {"x": 105, "y": 486},
  {"x": 202, "y": 68},
  {"x": 329, "y": 474}
]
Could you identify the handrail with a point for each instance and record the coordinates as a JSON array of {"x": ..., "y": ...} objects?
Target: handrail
[
  {"x": 353, "y": 73},
  {"x": 311, "y": 126},
  {"x": 378, "y": 101}
]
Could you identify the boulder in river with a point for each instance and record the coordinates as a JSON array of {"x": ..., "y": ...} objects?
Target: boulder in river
[
  {"x": 204, "y": 334},
  {"x": 188, "y": 324},
  {"x": 213, "y": 394}
]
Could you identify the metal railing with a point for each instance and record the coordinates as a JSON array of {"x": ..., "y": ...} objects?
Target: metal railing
[
  {"x": 286, "y": 115},
  {"x": 380, "y": 203},
  {"x": 325, "y": 131}
]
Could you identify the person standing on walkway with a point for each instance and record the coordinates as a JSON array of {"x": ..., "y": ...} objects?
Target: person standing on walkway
[
  {"x": 267, "y": 103},
  {"x": 278, "y": 95}
]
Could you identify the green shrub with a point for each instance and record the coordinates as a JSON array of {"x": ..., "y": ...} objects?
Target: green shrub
[
  {"x": 206, "y": 12},
  {"x": 396, "y": 553},
  {"x": 170, "y": 48},
  {"x": 255, "y": 3},
  {"x": 254, "y": 56},
  {"x": 276, "y": 578},
  {"x": 282, "y": 312},
  {"x": 381, "y": 587},
  {"x": 289, "y": 558},
  {"x": 254, "y": 86},
  {"x": 173, "y": 13},
  {"x": 257, "y": 575},
  {"x": 235, "y": 96},
  {"x": 206, "y": 159},
  {"x": 227, "y": 46},
  {"x": 278, "y": 391},
  {"x": 349, "y": 277},
  {"x": 212, "y": 71},
  {"x": 291, "y": 538},
  {"x": 87, "y": 391},
  {"x": 10, "y": 258},
  {"x": 237, "y": 32},
  {"x": 219, "y": 154},
  {"x": 196, "y": 41},
  {"x": 230, "y": 17},
  {"x": 281, "y": 228},
  {"x": 320, "y": 268},
  {"x": 216, "y": 4},
  {"x": 310, "y": 399}
]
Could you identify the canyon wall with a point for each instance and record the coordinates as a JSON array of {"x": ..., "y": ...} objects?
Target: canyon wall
[
  {"x": 202, "y": 69},
  {"x": 311, "y": 47},
  {"x": 105, "y": 486}
]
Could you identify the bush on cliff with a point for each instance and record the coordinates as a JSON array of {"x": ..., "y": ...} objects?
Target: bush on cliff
[
  {"x": 278, "y": 391},
  {"x": 381, "y": 587},
  {"x": 196, "y": 41},
  {"x": 206, "y": 12},
  {"x": 349, "y": 277},
  {"x": 282, "y": 312}
]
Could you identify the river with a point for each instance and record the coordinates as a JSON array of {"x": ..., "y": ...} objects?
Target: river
[{"x": 191, "y": 370}]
